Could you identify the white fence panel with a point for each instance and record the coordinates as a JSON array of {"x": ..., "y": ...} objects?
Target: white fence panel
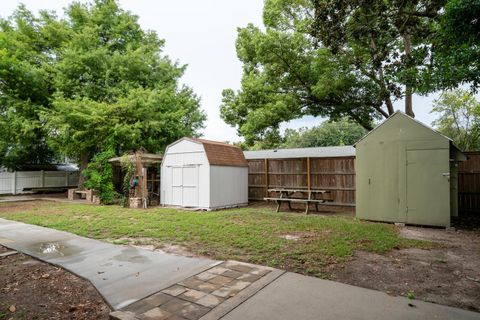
[
  {"x": 27, "y": 179},
  {"x": 16, "y": 182},
  {"x": 6, "y": 179},
  {"x": 73, "y": 178},
  {"x": 55, "y": 179}
]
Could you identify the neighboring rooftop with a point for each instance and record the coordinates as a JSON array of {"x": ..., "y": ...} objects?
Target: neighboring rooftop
[
  {"x": 319, "y": 152},
  {"x": 69, "y": 167},
  {"x": 222, "y": 154}
]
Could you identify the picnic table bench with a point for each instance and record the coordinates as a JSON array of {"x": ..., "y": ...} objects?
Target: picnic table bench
[{"x": 285, "y": 195}]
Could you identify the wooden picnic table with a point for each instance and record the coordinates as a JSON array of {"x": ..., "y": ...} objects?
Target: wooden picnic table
[{"x": 286, "y": 195}]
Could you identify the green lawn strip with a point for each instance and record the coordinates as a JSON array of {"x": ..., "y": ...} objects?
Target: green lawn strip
[{"x": 250, "y": 234}]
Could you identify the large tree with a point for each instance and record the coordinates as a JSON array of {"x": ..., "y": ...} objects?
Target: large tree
[
  {"x": 27, "y": 58},
  {"x": 388, "y": 42},
  {"x": 287, "y": 76},
  {"x": 335, "y": 133},
  {"x": 456, "y": 47},
  {"x": 458, "y": 117},
  {"x": 101, "y": 78},
  {"x": 333, "y": 58}
]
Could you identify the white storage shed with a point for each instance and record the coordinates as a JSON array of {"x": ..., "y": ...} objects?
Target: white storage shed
[{"x": 198, "y": 173}]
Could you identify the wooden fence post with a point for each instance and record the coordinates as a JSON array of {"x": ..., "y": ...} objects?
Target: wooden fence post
[
  {"x": 42, "y": 178},
  {"x": 309, "y": 183},
  {"x": 266, "y": 177}
]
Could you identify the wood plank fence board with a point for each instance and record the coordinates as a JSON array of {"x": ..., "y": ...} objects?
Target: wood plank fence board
[
  {"x": 338, "y": 176},
  {"x": 469, "y": 183},
  {"x": 334, "y": 174}
]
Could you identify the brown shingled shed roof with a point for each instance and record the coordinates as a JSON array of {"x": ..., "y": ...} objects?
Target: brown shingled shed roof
[{"x": 222, "y": 154}]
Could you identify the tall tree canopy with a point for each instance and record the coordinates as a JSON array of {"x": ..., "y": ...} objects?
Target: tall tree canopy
[
  {"x": 335, "y": 133},
  {"x": 456, "y": 47},
  {"x": 26, "y": 68},
  {"x": 458, "y": 117},
  {"x": 73, "y": 84},
  {"x": 333, "y": 58}
]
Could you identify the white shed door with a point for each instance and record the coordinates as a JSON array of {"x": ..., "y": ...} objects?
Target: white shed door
[
  {"x": 190, "y": 186},
  {"x": 185, "y": 186},
  {"x": 177, "y": 186}
]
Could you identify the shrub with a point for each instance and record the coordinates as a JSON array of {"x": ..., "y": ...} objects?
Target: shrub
[
  {"x": 99, "y": 176},
  {"x": 128, "y": 169}
]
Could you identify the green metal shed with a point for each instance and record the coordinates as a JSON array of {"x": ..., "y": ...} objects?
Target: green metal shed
[{"x": 406, "y": 172}]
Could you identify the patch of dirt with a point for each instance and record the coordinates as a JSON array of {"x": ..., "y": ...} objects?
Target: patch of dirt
[
  {"x": 155, "y": 245},
  {"x": 19, "y": 206},
  {"x": 31, "y": 289},
  {"x": 177, "y": 250},
  {"x": 467, "y": 221},
  {"x": 448, "y": 274}
]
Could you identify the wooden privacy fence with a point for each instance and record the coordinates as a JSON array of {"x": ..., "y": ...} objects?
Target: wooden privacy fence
[
  {"x": 469, "y": 183},
  {"x": 336, "y": 174},
  {"x": 15, "y": 182}
]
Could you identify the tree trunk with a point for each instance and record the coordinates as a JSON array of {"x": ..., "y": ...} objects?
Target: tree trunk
[
  {"x": 407, "y": 40},
  {"x": 84, "y": 159},
  {"x": 382, "y": 84},
  {"x": 389, "y": 104}
]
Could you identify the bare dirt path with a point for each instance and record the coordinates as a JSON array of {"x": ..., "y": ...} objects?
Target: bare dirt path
[{"x": 448, "y": 274}]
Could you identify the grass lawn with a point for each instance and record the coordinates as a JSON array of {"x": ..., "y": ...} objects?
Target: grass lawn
[{"x": 251, "y": 234}]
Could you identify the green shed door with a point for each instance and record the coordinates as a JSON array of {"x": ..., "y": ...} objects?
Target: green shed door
[{"x": 428, "y": 187}]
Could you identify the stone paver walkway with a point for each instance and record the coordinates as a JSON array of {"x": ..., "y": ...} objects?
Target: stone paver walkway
[{"x": 208, "y": 295}]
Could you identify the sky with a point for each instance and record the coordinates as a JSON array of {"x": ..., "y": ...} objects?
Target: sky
[{"x": 202, "y": 35}]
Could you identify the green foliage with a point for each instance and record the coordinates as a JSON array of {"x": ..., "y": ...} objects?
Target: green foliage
[
  {"x": 99, "y": 176},
  {"x": 71, "y": 84},
  {"x": 271, "y": 140},
  {"x": 329, "y": 133},
  {"x": 457, "y": 47},
  {"x": 353, "y": 59},
  {"x": 26, "y": 58},
  {"x": 128, "y": 169},
  {"x": 338, "y": 133},
  {"x": 286, "y": 76},
  {"x": 459, "y": 118},
  {"x": 387, "y": 41}
]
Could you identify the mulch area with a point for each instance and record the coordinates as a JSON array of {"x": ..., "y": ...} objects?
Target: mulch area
[{"x": 31, "y": 289}]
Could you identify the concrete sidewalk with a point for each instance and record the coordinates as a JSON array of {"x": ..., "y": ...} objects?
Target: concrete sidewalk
[
  {"x": 121, "y": 274},
  {"x": 154, "y": 285},
  {"x": 293, "y": 296}
]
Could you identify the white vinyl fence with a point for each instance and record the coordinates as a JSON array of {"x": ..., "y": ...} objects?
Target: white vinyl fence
[{"x": 15, "y": 182}]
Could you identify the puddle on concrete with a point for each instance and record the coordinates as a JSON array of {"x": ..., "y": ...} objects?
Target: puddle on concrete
[
  {"x": 51, "y": 248},
  {"x": 130, "y": 254},
  {"x": 54, "y": 249}
]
